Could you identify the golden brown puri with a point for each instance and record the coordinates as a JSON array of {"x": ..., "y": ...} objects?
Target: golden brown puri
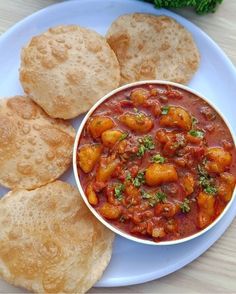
[
  {"x": 50, "y": 242},
  {"x": 67, "y": 69},
  {"x": 153, "y": 47},
  {"x": 35, "y": 149}
]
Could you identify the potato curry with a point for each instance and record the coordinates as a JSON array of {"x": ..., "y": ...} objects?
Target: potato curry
[{"x": 157, "y": 162}]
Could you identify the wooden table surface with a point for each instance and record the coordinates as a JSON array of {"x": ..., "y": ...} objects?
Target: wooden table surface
[{"x": 215, "y": 270}]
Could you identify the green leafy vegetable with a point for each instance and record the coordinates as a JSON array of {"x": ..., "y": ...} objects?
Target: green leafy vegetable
[
  {"x": 165, "y": 109},
  {"x": 206, "y": 181},
  {"x": 158, "y": 158},
  {"x": 119, "y": 189},
  {"x": 196, "y": 133},
  {"x": 145, "y": 144},
  {"x": 200, "y": 6},
  {"x": 123, "y": 136},
  {"x": 184, "y": 206},
  {"x": 139, "y": 179}
]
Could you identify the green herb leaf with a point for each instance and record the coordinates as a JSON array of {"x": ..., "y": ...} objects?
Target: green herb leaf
[
  {"x": 123, "y": 136},
  {"x": 196, "y": 133},
  {"x": 158, "y": 158},
  {"x": 139, "y": 179},
  {"x": 119, "y": 189},
  {"x": 211, "y": 190},
  {"x": 128, "y": 177},
  {"x": 148, "y": 143},
  {"x": 153, "y": 199},
  {"x": 165, "y": 109},
  {"x": 206, "y": 181},
  {"x": 194, "y": 120},
  {"x": 141, "y": 150},
  {"x": 145, "y": 144},
  {"x": 150, "y": 197},
  {"x": 200, "y": 6},
  {"x": 184, "y": 206},
  {"x": 161, "y": 197},
  {"x": 146, "y": 195}
]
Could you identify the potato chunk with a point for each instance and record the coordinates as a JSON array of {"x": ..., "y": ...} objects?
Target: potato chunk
[
  {"x": 110, "y": 137},
  {"x": 206, "y": 203},
  {"x": 139, "y": 96},
  {"x": 133, "y": 195},
  {"x": 157, "y": 174},
  {"x": 88, "y": 155},
  {"x": 139, "y": 122},
  {"x": 188, "y": 183},
  {"x": 166, "y": 209},
  {"x": 110, "y": 211},
  {"x": 226, "y": 186},
  {"x": 176, "y": 117},
  {"x": 91, "y": 195},
  {"x": 218, "y": 159},
  {"x": 99, "y": 124},
  {"x": 106, "y": 168}
]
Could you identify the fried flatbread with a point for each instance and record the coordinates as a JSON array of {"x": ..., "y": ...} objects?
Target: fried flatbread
[
  {"x": 35, "y": 149},
  {"x": 153, "y": 47},
  {"x": 67, "y": 69},
  {"x": 50, "y": 242}
]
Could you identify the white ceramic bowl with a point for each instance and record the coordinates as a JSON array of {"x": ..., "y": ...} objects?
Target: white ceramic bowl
[{"x": 96, "y": 214}]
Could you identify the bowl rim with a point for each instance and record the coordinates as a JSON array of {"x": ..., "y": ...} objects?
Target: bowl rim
[{"x": 82, "y": 193}]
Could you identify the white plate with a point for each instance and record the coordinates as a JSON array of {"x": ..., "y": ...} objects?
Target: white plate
[{"x": 216, "y": 79}]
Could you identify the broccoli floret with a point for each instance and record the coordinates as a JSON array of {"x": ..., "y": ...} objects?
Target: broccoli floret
[{"x": 200, "y": 6}]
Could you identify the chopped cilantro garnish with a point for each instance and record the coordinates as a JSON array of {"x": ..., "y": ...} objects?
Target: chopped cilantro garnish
[
  {"x": 161, "y": 197},
  {"x": 123, "y": 136},
  {"x": 148, "y": 142},
  {"x": 196, "y": 133},
  {"x": 153, "y": 199},
  {"x": 146, "y": 195},
  {"x": 210, "y": 190},
  {"x": 145, "y": 144},
  {"x": 139, "y": 179},
  {"x": 119, "y": 189},
  {"x": 165, "y": 109},
  {"x": 158, "y": 158},
  {"x": 141, "y": 150},
  {"x": 194, "y": 120},
  {"x": 184, "y": 206},
  {"x": 206, "y": 181},
  {"x": 128, "y": 177}
]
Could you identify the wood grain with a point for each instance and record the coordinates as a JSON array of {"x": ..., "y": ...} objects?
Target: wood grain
[{"x": 215, "y": 270}]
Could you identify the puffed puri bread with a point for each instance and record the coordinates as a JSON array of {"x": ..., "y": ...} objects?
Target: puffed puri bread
[
  {"x": 35, "y": 149},
  {"x": 153, "y": 47},
  {"x": 50, "y": 242},
  {"x": 67, "y": 69}
]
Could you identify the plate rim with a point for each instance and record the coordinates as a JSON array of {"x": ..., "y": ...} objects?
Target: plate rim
[{"x": 190, "y": 26}]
